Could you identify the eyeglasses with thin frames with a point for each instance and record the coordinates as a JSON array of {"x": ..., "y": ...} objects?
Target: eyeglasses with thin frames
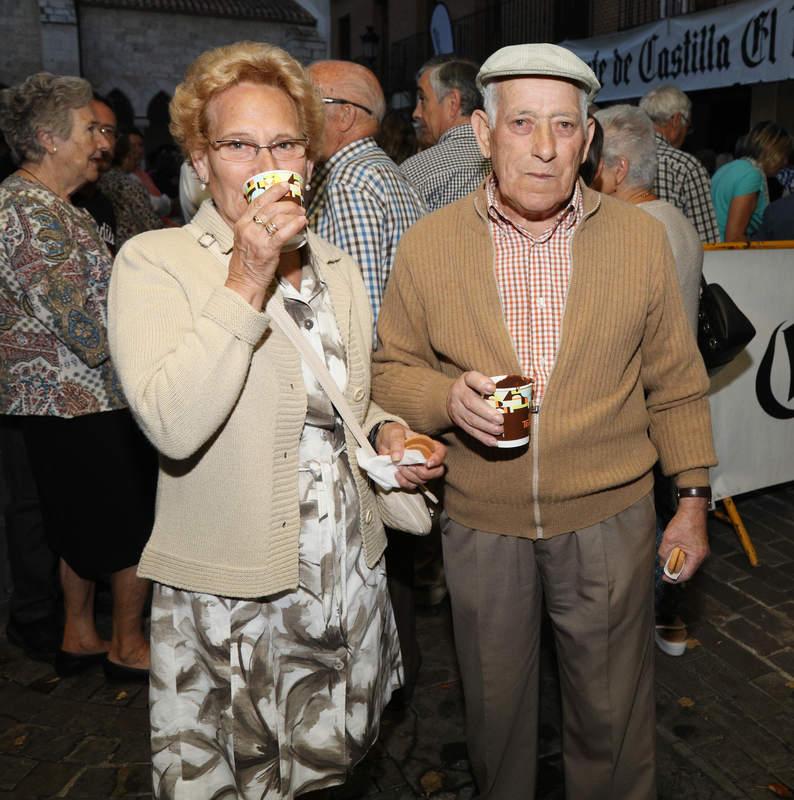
[
  {"x": 339, "y": 101},
  {"x": 241, "y": 150}
]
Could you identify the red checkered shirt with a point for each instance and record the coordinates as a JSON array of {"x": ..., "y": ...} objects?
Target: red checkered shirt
[{"x": 532, "y": 273}]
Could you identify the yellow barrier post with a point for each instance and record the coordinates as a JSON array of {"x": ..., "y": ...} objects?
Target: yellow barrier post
[{"x": 731, "y": 516}]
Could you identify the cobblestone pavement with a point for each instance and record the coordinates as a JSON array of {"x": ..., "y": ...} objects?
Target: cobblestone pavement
[{"x": 725, "y": 709}]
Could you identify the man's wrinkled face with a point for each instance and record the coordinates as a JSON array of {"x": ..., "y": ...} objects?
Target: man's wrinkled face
[{"x": 537, "y": 143}]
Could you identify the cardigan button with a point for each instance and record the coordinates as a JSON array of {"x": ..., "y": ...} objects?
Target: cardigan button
[
  {"x": 358, "y": 394},
  {"x": 368, "y": 516}
]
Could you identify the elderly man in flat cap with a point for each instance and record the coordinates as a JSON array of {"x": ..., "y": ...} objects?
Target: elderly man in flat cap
[{"x": 533, "y": 274}]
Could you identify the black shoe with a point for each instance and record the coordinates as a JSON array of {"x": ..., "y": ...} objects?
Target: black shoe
[
  {"x": 121, "y": 674},
  {"x": 38, "y": 639},
  {"x": 67, "y": 664}
]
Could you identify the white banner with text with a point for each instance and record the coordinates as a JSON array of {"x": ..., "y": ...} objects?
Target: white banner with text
[
  {"x": 740, "y": 43},
  {"x": 752, "y": 399}
]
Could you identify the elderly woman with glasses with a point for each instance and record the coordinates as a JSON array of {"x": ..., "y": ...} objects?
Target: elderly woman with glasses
[
  {"x": 273, "y": 642},
  {"x": 94, "y": 472}
]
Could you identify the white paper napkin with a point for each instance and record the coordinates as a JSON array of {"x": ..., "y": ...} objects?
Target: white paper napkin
[{"x": 383, "y": 470}]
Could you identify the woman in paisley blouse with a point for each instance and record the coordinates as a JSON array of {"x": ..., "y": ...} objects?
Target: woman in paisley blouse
[
  {"x": 95, "y": 473},
  {"x": 274, "y": 647}
]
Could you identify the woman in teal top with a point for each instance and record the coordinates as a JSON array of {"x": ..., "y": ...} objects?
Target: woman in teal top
[{"x": 738, "y": 188}]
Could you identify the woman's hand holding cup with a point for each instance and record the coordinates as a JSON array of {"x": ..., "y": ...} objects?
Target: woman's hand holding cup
[{"x": 267, "y": 224}]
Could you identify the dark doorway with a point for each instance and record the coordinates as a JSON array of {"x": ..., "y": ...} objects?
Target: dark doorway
[{"x": 720, "y": 117}]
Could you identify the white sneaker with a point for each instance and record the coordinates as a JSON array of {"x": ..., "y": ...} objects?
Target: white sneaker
[{"x": 671, "y": 637}]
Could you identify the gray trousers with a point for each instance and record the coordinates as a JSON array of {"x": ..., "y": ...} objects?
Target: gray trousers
[{"x": 598, "y": 586}]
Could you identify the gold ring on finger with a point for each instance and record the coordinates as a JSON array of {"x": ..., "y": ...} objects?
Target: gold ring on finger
[
  {"x": 259, "y": 221},
  {"x": 271, "y": 228}
]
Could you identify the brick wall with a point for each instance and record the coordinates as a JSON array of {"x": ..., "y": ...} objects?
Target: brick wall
[
  {"x": 604, "y": 16},
  {"x": 20, "y": 34},
  {"x": 143, "y": 53}
]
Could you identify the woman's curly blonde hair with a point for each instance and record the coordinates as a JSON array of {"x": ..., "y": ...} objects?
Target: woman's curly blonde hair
[{"x": 217, "y": 70}]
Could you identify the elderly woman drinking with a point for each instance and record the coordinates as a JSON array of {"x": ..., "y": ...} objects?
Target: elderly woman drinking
[
  {"x": 94, "y": 472},
  {"x": 273, "y": 642}
]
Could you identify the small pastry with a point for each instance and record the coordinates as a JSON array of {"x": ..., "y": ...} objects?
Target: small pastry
[{"x": 420, "y": 442}]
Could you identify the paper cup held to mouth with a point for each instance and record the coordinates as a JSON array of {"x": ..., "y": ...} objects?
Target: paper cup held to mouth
[{"x": 262, "y": 181}]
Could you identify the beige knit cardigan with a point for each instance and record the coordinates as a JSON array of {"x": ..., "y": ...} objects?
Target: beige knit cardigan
[
  {"x": 628, "y": 384},
  {"x": 220, "y": 394}
]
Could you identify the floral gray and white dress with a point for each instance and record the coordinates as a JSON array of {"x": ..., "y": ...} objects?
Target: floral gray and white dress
[{"x": 274, "y": 698}]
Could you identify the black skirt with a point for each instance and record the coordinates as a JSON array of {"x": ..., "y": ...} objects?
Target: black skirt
[{"x": 97, "y": 476}]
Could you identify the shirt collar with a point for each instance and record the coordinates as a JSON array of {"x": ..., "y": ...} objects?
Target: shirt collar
[
  {"x": 344, "y": 153},
  {"x": 569, "y": 217},
  {"x": 311, "y": 286},
  {"x": 456, "y": 132}
]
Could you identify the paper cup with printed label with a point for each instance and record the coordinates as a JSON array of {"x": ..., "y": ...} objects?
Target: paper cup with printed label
[
  {"x": 262, "y": 181},
  {"x": 513, "y": 399}
]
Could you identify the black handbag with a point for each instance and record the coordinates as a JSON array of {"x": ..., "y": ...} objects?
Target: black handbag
[{"x": 723, "y": 330}]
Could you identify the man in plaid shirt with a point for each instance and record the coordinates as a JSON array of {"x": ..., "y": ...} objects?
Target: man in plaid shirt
[
  {"x": 680, "y": 177},
  {"x": 362, "y": 203},
  {"x": 534, "y": 274},
  {"x": 446, "y": 97}
]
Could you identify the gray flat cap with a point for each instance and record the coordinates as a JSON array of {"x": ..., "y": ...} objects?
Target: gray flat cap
[{"x": 549, "y": 60}]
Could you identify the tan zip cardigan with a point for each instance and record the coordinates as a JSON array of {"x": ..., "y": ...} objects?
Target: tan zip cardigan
[
  {"x": 220, "y": 395},
  {"x": 628, "y": 383}
]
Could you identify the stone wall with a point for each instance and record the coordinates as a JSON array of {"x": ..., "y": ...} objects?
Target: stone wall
[
  {"x": 60, "y": 49},
  {"x": 321, "y": 11},
  {"x": 143, "y": 53},
  {"x": 20, "y": 34}
]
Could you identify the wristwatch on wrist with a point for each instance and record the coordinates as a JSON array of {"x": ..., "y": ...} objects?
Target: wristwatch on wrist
[
  {"x": 695, "y": 491},
  {"x": 373, "y": 434}
]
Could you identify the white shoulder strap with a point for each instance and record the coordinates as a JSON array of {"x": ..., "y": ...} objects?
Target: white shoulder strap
[{"x": 281, "y": 317}]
